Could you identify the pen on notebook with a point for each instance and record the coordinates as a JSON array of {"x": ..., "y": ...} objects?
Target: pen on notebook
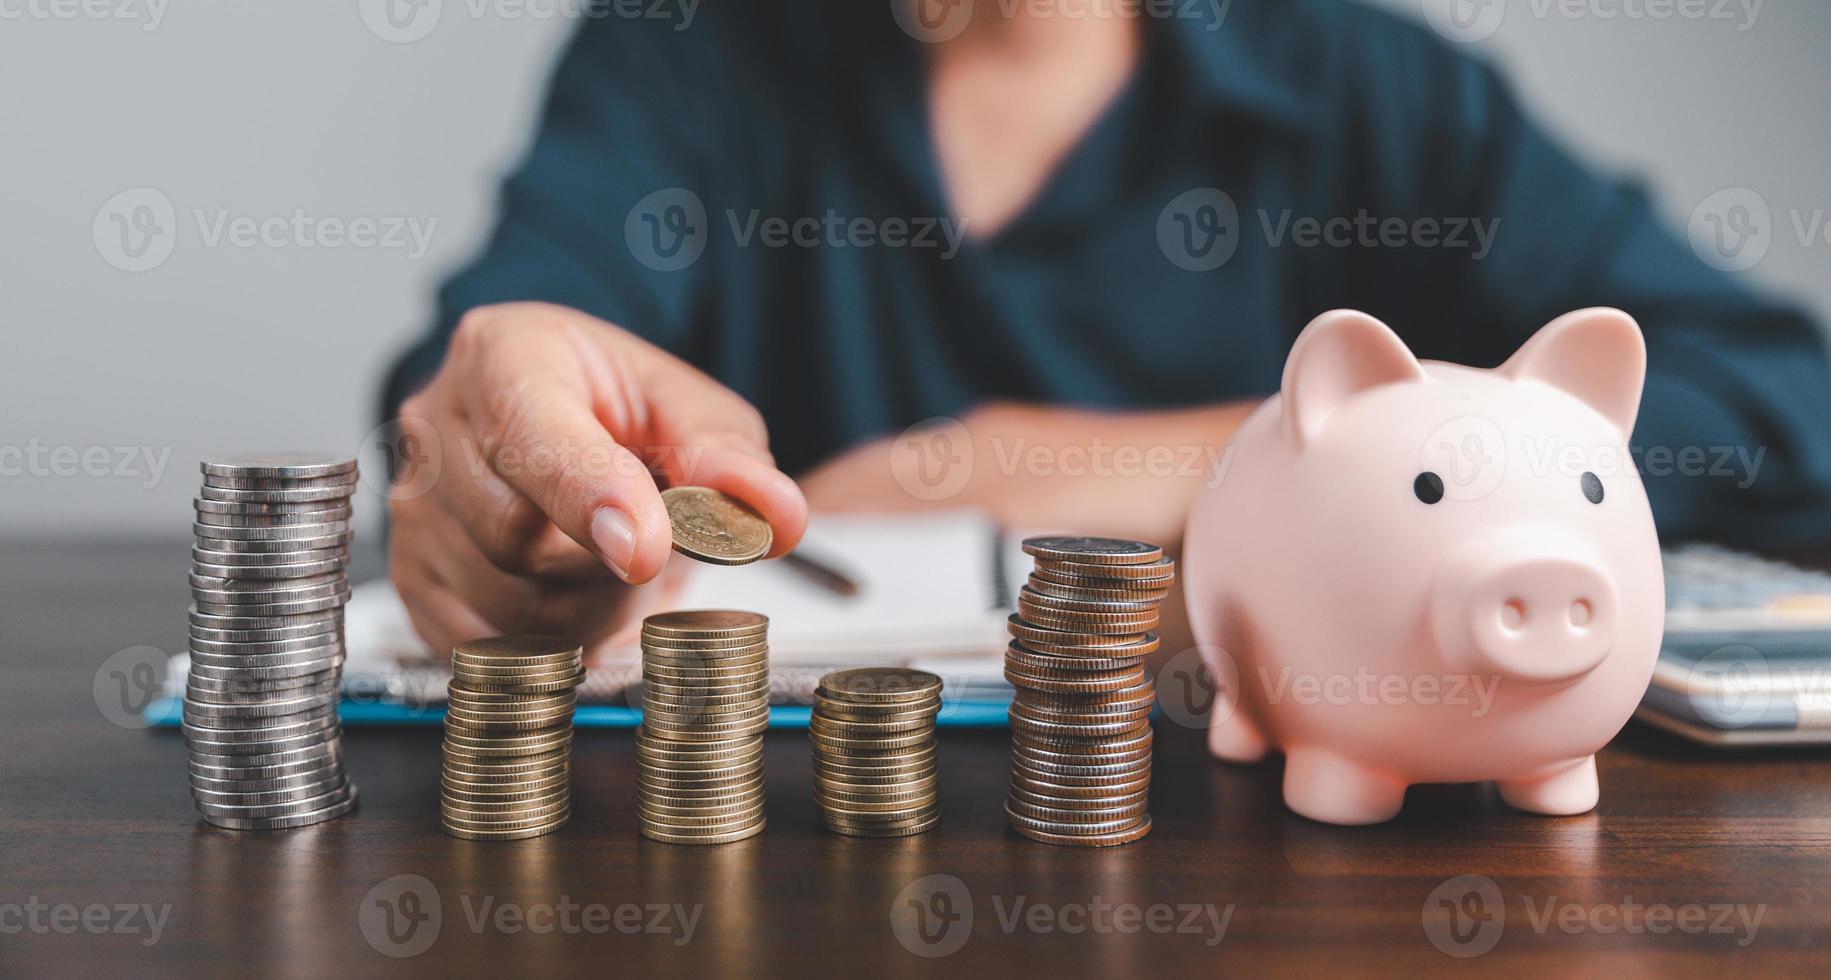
[{"x": 821, "y": 574}]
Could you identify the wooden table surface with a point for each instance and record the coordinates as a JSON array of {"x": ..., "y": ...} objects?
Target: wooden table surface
[{"x": 1694, "y": 862}]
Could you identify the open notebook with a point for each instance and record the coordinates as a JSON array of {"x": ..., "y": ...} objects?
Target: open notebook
[{"x": 934, "y": 592}]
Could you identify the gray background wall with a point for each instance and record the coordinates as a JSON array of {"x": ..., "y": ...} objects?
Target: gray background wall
[{"x": 259, "y": 108}]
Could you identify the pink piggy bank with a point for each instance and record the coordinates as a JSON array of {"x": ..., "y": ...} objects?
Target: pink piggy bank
[{"x": 1417, "y": 572}]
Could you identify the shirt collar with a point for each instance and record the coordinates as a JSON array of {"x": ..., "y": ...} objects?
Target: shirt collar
[{"x": 1224, "y": 51}]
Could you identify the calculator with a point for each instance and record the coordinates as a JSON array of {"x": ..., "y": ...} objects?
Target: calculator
[{"x": 1746, "y": 658}]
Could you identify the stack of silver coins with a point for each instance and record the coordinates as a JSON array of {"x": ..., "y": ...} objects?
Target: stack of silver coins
[
  {"x": 705, "y": 705},
  {"x": 873, "y": 734},
  {"x": 508, "y": 737},
  {"x": 1081, "y": 715},
  {"x": 268, "y": 585}
]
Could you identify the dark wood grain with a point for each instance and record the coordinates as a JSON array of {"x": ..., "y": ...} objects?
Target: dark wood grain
[{"x": 93, "y": 813}]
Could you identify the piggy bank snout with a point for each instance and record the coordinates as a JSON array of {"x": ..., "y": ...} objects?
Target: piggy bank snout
[{"x": 1532, "y": 617}]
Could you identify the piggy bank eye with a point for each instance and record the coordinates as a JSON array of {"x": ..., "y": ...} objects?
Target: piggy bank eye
[
  {"x": 1592, "y": 487},
  {"x": 1429, "y": 487}
]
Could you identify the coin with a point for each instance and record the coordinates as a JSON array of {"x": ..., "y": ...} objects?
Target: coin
[
  {"x": 1081, "y": 836},
  {"x": 278, "y": 466},
  {"x": 1104, "y": 593},
  {"x": 259, "y": 546},
  {"x": 917, "y": 826},
  {"x": 1072, "y": 658},
  {"x": 670, "y": 835},
  {"x": 518, "y": 651},
  {"x": 540, "y": 829},
  {"x": 716, "y": 528},
  {"x": 881, "y": 685},
  {"x": 471, "y": 766},
  {"x": 705, "y": 624},
  {"x": 244, "y": 559},
  {"x": 705, "y": 704},
  {"x": 1089, "y": 575},
  {"x": 895, "y": 825},
  {"x": 1101, "y": 551},
  {"x": 249, "y": 508},
  {"x": 278, "y": 495},
  {"x": 217, "y": 513},
  {"x": 872, "y": 732},
  {"x": 292, "y": 816},
  {"x": 1097, "y": 623},
  {"x": 506, "y": 770},
  {"x": 1080, "y": 715}
]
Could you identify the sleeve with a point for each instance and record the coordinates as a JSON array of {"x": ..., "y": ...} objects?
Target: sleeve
[
  {"x": 1734, "y": 435},
  {"x": 631, "y": 116}
]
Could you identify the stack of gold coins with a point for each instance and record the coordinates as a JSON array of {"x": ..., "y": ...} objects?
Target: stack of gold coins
[
  {"x": 1081, "y": 716},
  {"x": 873, "y": 731},
  {"x": 508, "y": 737},
  {"x": 705, "y": 704}
]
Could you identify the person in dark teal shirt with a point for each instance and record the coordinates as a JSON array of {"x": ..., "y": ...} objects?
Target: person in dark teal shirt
[{"x": 854, "y": 220}]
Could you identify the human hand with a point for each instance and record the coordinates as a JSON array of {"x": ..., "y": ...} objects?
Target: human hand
[{"x": 552, "y": 429}]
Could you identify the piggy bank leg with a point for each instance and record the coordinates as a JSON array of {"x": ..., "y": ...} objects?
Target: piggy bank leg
[
  {"x": 1232, "y": 736},
  {"x": 1561, "y": 791},
  {"x": 1332, "y": 788}
]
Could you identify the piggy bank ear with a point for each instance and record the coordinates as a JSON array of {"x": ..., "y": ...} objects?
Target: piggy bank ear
[
  {"x": 1339, "y": 355},
  {"x": 1597, "y": 354}
]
